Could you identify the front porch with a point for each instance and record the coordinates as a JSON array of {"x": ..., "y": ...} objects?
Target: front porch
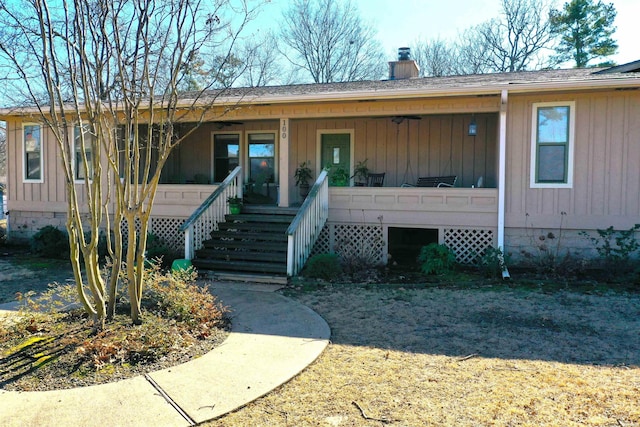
[
  {"x": 465, "y": 219},
  {"x": 404, "y": 148}
]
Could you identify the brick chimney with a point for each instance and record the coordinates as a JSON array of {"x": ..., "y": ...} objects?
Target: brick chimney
[{"x": 404, "y": 67}]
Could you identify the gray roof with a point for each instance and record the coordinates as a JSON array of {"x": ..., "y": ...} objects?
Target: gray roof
[
  {"x": 623, "y": 76},
  {"x": 459, "y": 84}
]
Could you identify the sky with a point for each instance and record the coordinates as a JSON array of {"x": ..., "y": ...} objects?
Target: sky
[{"x": 401, "y": 22}]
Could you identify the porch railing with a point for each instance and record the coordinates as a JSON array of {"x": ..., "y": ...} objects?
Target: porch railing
[
  {"x": 306, "y": 226},
  {"x": 205, "y": 219}
]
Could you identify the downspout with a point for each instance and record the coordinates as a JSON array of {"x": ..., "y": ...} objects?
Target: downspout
[{"x": 502, "y": 161}]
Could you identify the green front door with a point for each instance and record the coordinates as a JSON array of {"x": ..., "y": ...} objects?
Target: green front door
[{"x": 336, "y": 154}]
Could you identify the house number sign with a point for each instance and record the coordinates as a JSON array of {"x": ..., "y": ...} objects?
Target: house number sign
[{"x": 283, "y": 129}]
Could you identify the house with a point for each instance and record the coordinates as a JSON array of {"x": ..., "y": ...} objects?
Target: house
[{"x": 536, "y": 155}]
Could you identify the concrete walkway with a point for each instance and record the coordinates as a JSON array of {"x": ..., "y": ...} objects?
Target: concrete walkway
[{"x": 273, "y": 339}]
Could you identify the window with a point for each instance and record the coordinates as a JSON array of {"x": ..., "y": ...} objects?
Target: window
[
  {"x": 226, "y": 148},
  {"x": 552, "y": 145},
  {"x": 82, "y": 139},
  {"x": 32, "y": 149},
  {"x": 262, "y": 153}
]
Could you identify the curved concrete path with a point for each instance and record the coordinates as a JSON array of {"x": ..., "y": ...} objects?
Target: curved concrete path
[{"x": 273, "y": 338}]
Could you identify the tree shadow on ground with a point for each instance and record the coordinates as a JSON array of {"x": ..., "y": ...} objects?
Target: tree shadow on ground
[{"x": 499, "y": 323}]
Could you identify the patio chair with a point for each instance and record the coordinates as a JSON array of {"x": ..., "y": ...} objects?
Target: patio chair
[
  {"x": 437, "y": 181},
  {"x": 375, "y": 179}
]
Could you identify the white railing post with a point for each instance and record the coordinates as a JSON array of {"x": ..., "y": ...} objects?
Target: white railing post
[
  {"x": 188, "y": 242},
  {"x": 306, "y": 226},
  {"x": 205, "y": 219}
]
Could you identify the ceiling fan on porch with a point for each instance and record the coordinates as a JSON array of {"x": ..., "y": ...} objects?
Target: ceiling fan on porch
[
  {"x": 224, "y": 124},
  {"x": 399, "y": 119}
]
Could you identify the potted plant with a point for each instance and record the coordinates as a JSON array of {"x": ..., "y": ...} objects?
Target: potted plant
[
  {"x": 235, "y": 204},
  {"x": 302, "y": 175},
  {"x": 360, "y": 173},
  {"x": 339, "y": 177}
]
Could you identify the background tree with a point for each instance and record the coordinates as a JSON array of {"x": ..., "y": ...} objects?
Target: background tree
[
  {"x": 515, "y": 41},
  {"x": 328, "y": 39},
  {"x": 585, "y": 29},
  {"x": 436, "y": 57},
  {"x": 104, "y": 76},
  {"x": 262, "y": 60}
]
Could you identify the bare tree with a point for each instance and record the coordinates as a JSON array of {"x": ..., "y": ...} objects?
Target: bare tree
[
  {"x": 514, "y": 41},
  {"x": 471, "y": 53},
  {"x": 435, "y": 57},
  {"x": 261, "y": 59},
  {"x": 328, "y": 39},
  {"x": 104, "y": 76}
]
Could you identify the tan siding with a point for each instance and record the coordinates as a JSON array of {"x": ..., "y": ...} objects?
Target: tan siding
[
  {"x": 632, "y": 164},
  {"x": 435, "y": 145},
  {"x": 606, "y": 164}
]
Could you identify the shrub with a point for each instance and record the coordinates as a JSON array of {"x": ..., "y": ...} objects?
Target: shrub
[
  {"x": 157, "y": 249},
  {"x": 436, "y": 259},
  {"x": 616, "y": 247},
  {"x": 177, "y": 296},
  {"x": 492, "y": 262},
  {"x": 323, "y": 266},
  {"x": 50, "y": 242}
]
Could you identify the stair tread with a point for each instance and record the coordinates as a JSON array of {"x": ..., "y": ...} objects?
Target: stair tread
[
  {"x": 249, "y": 235},
  {"x": 263, "y": 267},
  {"x": 253, "y": 226},
  {"x": 250, "y": 245},
  {"x": 220, "y": 254},
  {"x": 262, "y": 218}
]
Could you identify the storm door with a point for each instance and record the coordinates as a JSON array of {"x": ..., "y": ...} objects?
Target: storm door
[{"x": 262, "y": 179}]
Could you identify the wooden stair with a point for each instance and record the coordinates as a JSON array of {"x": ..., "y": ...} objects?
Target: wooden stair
[{"x": 251, "y": 245}]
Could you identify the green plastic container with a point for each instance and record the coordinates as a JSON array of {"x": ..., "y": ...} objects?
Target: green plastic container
[{"x": 180, "y": 264}]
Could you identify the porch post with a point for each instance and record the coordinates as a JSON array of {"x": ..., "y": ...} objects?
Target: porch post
[
  {"x": 502, "y": 160},
  {"x": 283, "y": 172}
]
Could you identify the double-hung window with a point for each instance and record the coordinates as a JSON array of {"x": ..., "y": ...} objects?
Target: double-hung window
[
  {"x": 32, "y": 153},
  {"x": 552, "y": 142}
]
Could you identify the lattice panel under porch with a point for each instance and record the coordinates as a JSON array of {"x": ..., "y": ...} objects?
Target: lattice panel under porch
[
  {"x": 124, "y": 229},
  {"x": 467, "y": 244},
  {"x": 168, "y": 229},
  {"x": 352, "y": 240},
  {"x": 323, "y": 244}
]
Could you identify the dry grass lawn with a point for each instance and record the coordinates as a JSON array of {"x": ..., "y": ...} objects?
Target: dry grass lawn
[{"x": 477, "y": 357}]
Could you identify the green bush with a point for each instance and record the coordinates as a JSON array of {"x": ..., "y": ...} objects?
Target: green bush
[
  {"x": 50, "y": 242},
  {"x": 323, "y": 266},
  {"x": 617, "y": 248},
  {"x": 436, "y": 259}
]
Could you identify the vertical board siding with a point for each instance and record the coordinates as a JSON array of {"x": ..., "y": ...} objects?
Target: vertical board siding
[
  {"x": 433, "y": 146},
  {"x": 606, "y": 164}
]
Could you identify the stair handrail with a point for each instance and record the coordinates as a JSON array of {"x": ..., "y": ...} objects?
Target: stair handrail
[
  {"x": 206, "y": 217},
  {"x": 307, "y": 225}
]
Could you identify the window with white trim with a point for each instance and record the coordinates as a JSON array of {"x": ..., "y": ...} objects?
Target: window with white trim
[
  {"x": 32, "y": 153},
  {"x": 552, "y": 140},
  {"x": 82, "y": 149}
]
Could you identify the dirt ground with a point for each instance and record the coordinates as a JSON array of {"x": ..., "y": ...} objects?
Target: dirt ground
[
  {"x": 477, "y": 357},
  {"x": 21, "y": 272},
  {"x": 499, "y": 355}
]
